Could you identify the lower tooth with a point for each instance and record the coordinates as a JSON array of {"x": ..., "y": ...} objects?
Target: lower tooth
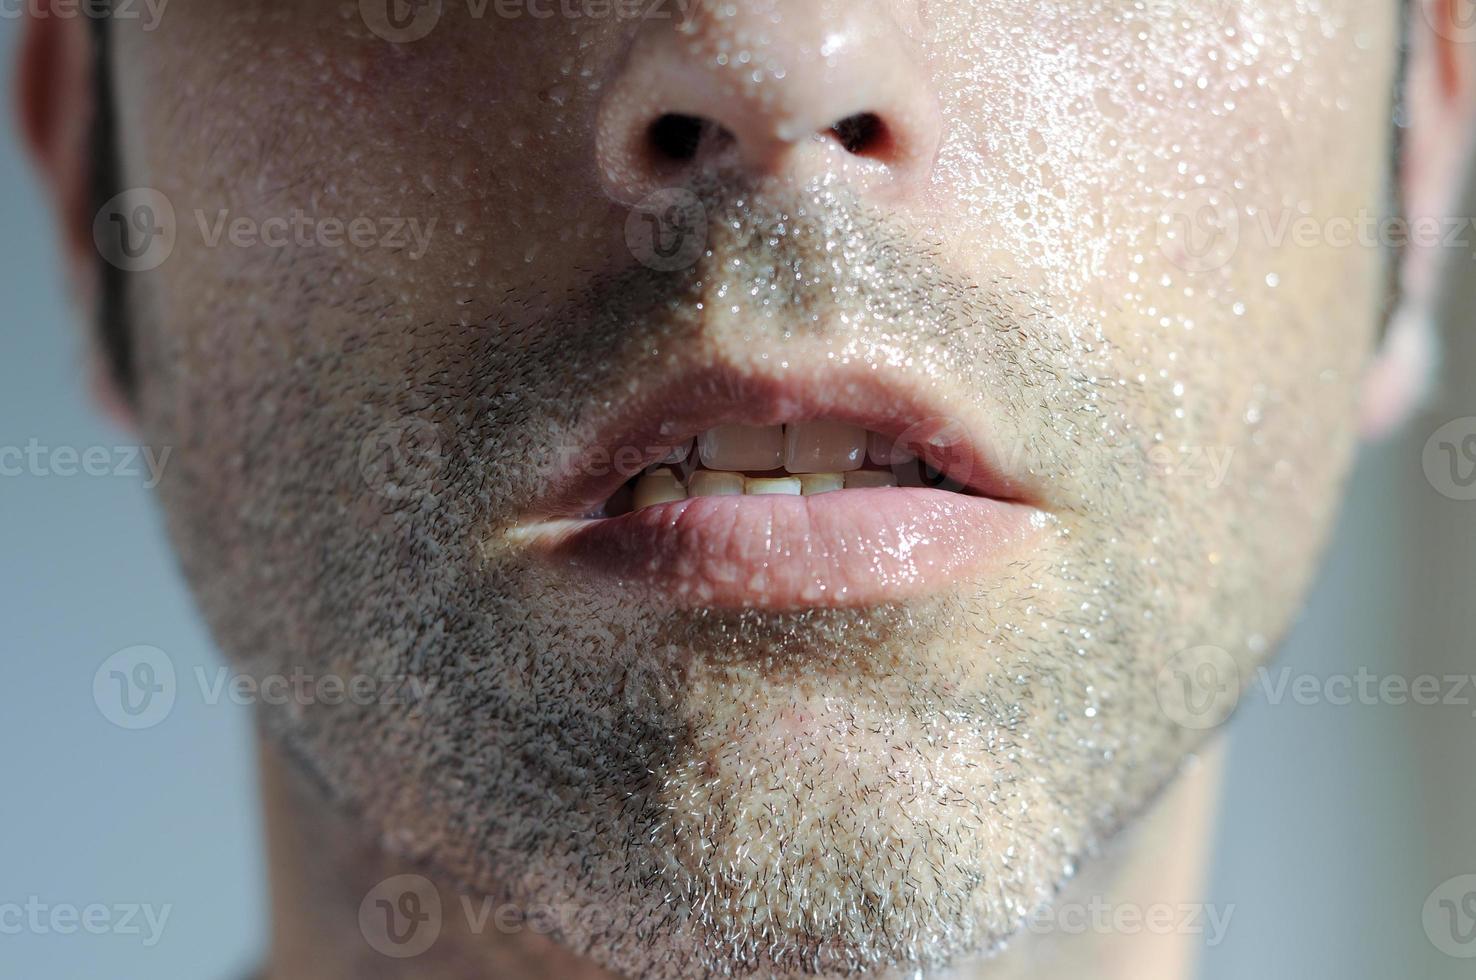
[
  {"x": 715, "y": 483},
  {"x": 658, "y": 488},
  {"x": 813, "y": 483},
  {"x": 867, "y": 479},
  {"x": 782, "y": 485}
]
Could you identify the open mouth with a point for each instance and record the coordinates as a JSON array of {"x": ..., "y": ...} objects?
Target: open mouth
[
  {"x": 797, "y": 459},
  {"x": 767, "y": 493}
]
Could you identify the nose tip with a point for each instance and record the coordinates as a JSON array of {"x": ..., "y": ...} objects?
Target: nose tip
[{"x": 787, "y": 90}]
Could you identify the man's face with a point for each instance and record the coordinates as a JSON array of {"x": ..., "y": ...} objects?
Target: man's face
[{"x": 807, "y": 734}]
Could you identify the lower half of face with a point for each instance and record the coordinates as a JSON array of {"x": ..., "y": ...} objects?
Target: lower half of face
[{"x": 500, "y": 483}]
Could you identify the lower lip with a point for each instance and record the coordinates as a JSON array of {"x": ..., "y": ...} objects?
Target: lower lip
[{"x": 846, "y": 548}]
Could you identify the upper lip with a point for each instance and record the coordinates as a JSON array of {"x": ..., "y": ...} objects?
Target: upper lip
[{"x": 673, "y": 410}]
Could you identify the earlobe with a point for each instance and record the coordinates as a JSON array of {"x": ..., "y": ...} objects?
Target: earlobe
[
  {"x": 1400, "y": 376},
  {"x": 1446, "y": 33},
  {"x": 54, "y": 91},
  {"x": 1439, "y": 90},
  {"x": 54, "y": 105}
]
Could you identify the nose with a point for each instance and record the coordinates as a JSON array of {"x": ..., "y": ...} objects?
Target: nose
[{"x": 775, "y": 88}]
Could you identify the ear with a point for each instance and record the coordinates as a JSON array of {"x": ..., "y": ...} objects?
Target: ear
[
  {"x": 1439, "y": 109},
  {"x": 54, "y": 91}
]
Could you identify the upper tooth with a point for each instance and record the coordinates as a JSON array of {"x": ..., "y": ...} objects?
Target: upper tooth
[
  {"x": 658, "y": 488},
  {"x": 679, "y": 453},
  {"x": 883, "y": 452},
  {"x": 715, "y": 483},
  {"x": 742, "y": 447},
  {"x": 823, "y": 447},
  {"x": 785, "y": 485}
]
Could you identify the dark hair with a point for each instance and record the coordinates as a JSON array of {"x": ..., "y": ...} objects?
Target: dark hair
[{"x": 114, "y": 333}]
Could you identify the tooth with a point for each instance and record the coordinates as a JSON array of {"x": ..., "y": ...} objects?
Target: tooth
[
  {"x": 866, "y": 479},
  {"x": 715, "y": 483},
  {"x": 742, "y": 447},
  {"x": 813, "y": 483},
  {"x": 679, "y": 453},
  {"x": 658, "y": 488},
  {"x": 884, "y": 452},
  {"x": 787, "y": 485},
  {"x": 823, "y": 447}
]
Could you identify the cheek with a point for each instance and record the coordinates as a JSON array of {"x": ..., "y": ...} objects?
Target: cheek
[
  {"x": 1150, "y": 179},
  {"x": 476, "y": 147}
]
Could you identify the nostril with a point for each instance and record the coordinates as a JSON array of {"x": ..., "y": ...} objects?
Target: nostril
[
  {"x": 676, "y": 137},
  {"x": 863, "y": 134}
]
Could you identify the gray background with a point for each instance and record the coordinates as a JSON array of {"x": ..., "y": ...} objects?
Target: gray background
[{"x": 1337, "y": 821}]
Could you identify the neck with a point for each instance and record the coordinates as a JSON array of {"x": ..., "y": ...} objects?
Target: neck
[
  {"x": 1121, "y": 920},
  {"x": 326, "y": 925},
  {"x": 1137, "y": 911}
]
